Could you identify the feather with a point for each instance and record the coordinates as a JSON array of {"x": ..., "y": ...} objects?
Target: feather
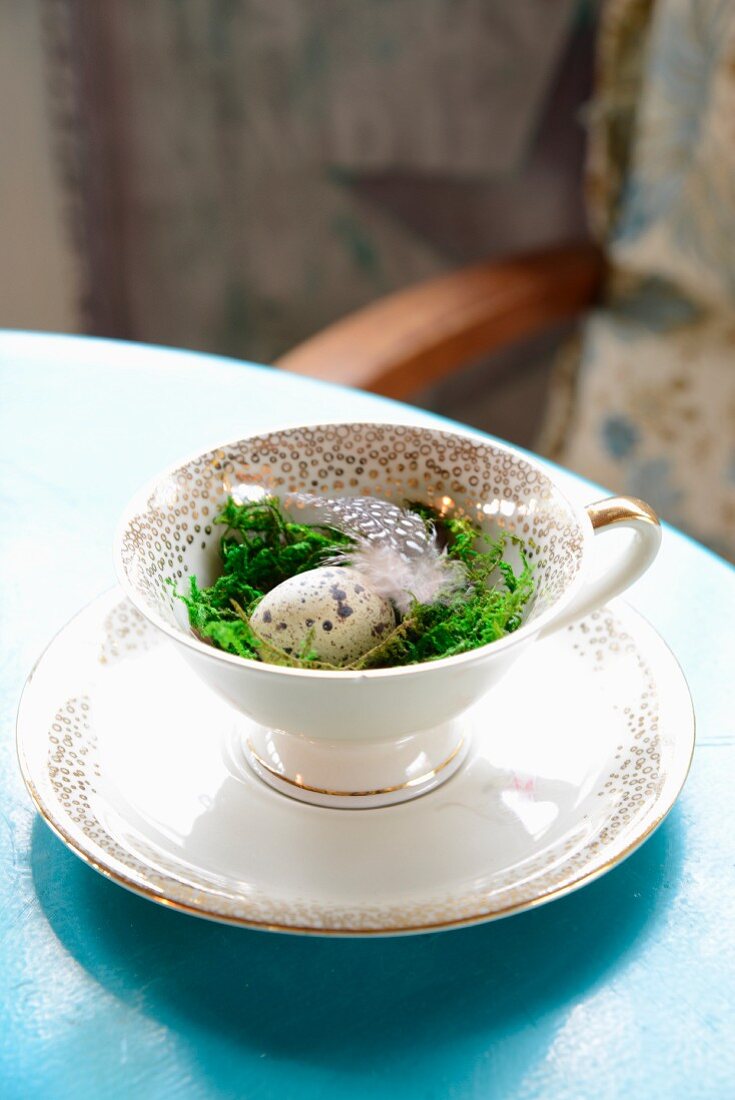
[
  {"x": 428, "y": 577},
  {"x": 395, "y": 552},
  {"x": 371, "y": 519}
]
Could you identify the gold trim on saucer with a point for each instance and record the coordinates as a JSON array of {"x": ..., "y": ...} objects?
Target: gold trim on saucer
[
  {"x": 417, "y": 782},
  {"x": 89, "y": 837},
  {"x": 479, "y": 917}
]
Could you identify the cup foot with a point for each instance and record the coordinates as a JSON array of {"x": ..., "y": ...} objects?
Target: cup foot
[{"x": 353, "y": 776}]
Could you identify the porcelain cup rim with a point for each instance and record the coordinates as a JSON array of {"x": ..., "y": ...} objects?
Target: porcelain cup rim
[{"x": 138, "y": 504}]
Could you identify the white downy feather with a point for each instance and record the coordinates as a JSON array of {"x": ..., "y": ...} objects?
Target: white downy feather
[{"x": 428, "y": 577}]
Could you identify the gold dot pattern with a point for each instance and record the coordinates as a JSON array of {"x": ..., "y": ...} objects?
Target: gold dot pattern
[
  {"x": 126, "y": 632},
  {"x": 168, "y": 538},
  {"x": 630, "y": 787}
]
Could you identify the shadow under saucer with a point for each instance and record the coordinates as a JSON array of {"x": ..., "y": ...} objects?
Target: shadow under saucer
[{"x": 315, "y": 1000}]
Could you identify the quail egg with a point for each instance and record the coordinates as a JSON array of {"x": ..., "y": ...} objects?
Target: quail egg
[{"x": 332, "y": 606}]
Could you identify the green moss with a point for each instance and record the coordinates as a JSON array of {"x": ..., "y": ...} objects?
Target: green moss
[
  {"x": 489, "y": 608},
  {"x": 261, "y": 548}
]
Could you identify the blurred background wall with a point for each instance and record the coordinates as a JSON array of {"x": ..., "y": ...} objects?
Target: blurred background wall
[
  {"x": 38, "y": 275},
  {"x": 232, "y": 175}
]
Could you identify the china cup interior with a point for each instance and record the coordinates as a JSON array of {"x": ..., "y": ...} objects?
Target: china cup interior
[{"x": 168, "y": 532}]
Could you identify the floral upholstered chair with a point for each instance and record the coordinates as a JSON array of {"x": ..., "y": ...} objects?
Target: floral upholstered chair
[{"x": 644, "y": 399}]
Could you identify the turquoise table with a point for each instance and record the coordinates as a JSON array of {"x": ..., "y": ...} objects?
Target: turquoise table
[{"x": 624, "y": 989}]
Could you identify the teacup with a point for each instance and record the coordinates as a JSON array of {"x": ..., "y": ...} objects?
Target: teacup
[{"x": 377, "y": 737}]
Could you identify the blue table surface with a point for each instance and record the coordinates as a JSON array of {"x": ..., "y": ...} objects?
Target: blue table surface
[{"x": 623, "y": 989}]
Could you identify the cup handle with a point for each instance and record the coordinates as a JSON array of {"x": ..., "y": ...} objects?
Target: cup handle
[{"x": 607, "y": 515}]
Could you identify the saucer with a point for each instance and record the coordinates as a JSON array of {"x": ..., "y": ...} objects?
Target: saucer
[{"x": 575, "y": 758}]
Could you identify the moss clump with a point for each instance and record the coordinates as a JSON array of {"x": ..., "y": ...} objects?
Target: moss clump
[
  {"x": 488, "y": 609},
  {"x": 261, "y": 548}
]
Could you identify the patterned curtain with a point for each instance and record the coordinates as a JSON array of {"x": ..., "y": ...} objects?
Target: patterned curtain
[
  {"x": 238, "y": 173},
  {"x": 646, "y": 403}
]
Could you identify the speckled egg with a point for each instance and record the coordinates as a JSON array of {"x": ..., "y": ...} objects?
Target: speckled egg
[{"x": 334, "y": 605}]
